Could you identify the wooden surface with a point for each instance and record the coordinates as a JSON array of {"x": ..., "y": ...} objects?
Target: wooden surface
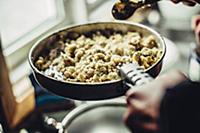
[
  {"x": 7, "y": 97},
  {"x": 16, "y": 106},
  {"x": 24, "y": 100}
]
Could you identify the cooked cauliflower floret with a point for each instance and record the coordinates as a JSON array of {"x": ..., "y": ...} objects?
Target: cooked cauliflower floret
[{"x": 95, "y": 59}]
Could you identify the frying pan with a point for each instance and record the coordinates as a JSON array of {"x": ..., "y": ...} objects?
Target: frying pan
[{"x": 90, "y": 91}]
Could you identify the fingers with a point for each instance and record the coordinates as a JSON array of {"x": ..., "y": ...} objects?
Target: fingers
[
  {"x": 176, "y": 1},
  {"x": 132, "y": 94},
  {"x": 144, "y": 108},
  {"x": 196, "y": 27},
  {"x": 187, "y": 2},
  {"x": 195, "y": 22},
  {"x": 197, "y": 33},
  {"x": 128, "y": 119},
  {"x": 140, "y": 122},
  {"x": 148, "y": 126},
  {"x": 140, "y": 115}
]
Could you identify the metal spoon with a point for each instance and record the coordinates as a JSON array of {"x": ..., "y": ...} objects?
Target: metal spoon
[{"x": 123, "y": 9}]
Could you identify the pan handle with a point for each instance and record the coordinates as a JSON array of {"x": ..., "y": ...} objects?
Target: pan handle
[{"x": 134, "y": 75}]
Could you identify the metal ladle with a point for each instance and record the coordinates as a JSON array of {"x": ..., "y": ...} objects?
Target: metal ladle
[{"x": 123, "y": 9}]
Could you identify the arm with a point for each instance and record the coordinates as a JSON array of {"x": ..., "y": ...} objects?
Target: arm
[{"x": 180, "y": 109}]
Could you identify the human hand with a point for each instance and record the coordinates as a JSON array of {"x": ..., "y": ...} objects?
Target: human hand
[
  {"x": 187, "y": 2},
  {"x": 144, "y": 102},
  {"x": 196, "y": 27}
]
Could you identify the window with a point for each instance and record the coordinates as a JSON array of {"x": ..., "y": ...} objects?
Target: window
[
  {"x": 100, "y": 10},
  {"x": 93, "y": 4},
  {"x": 24, "y": 20}
]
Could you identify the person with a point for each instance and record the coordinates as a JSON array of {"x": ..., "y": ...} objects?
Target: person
[{"x": 170, "y": 103}]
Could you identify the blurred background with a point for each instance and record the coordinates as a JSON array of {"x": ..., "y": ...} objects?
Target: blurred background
[{"x": 23, "y": 22}]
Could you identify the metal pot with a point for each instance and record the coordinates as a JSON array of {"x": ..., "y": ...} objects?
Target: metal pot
[
  {"x": 90, "y": 91},
  {"x": 102, "y": 117}
]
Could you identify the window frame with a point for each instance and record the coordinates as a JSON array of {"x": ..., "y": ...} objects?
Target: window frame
[
  {"x": 17, "y": 52},
  {"x": 92, "y": 6}
]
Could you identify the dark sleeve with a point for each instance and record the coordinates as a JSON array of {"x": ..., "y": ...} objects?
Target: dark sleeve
[{"x": 180, "y": 109}]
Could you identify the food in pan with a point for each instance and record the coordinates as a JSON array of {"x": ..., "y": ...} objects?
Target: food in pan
[{"x": 94, "y": 57}]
